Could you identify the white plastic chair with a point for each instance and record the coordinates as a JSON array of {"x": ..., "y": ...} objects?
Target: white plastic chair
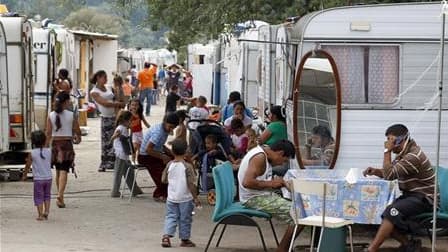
[
  {"x": 138, "y": 168},
  {"x": 319, "y": 189}
]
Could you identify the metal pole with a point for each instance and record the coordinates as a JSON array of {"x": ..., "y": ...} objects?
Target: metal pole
[{"x": 442, "y": 52}]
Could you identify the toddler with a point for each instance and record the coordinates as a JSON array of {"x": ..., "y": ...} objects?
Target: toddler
[
  {"x": 40, "y": 159},
  {"x": 200, "y": 112},
  {"x": 182, "y": 196}
]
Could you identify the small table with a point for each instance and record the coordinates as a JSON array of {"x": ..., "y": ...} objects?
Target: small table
[{"x": 363, "y": 202}]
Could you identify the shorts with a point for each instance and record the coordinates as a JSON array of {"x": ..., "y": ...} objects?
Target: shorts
[
  {"x": 278, "y": 207},
  {"x": 137, "y": 137},
  {"x": 63, "y": 154},
  {"x": 42, "y": 191},
  {"x": 406, "y": 206}
]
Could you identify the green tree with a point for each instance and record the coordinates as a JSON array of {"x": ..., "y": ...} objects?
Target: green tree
[{"x": 90, "y": 19}]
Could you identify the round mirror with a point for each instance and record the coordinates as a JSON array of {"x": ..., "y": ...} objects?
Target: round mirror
[{"x": 317, "y": 111}]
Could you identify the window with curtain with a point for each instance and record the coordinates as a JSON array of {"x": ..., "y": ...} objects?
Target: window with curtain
[{"x": 369, "y": 74}]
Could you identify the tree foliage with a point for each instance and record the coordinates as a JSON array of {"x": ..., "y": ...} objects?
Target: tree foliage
[{"x": 199, "y": 20}]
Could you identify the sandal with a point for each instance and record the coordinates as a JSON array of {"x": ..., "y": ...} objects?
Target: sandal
[
  {"x": 59, "y": 203},
  {"x": 166, "y": 243},
  {"x": 45, "y": 216},
  {"x": 187, "y": 243}
]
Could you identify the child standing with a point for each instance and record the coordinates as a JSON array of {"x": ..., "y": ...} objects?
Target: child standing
[
  {"x": 181, "y": 129},
  {"x": 122, "y": 150},
  {"x": 181, "y": 196},
  {"x": 172, "y": 99},
  {"x": 127, "y": 89},
  {"x": 40, "y": 159},
  {"x": 136, "y": 108}
]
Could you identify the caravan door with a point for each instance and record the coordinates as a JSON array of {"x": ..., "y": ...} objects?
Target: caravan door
[
  {"x": 4, "y": 107},
  {"x": 43, "y": 47},
  {"x": 249, "y": 77}
]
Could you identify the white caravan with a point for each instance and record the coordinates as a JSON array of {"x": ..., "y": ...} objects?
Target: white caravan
[
  {"x": 363, "y": 68},
  {"x": 239, "y": 68},
  {"x": 266, "y": 68},
  {"x": 20, "y": 80},
  {"x": 201, "y": 62},
  {"x": 126, "y": 57},
  {"x": 94, "y": 52},
  {"x": 4, "y": 106},
  {"x": 44, "y": 42}
]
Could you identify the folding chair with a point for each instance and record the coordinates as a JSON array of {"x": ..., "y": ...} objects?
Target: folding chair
[
  {"x": 133, "y": 166},
  {"x": 228, "y": 213},
  {"x": 319, "y": 189}
]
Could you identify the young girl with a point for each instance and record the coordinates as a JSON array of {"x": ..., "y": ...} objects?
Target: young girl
[
  {"x": 136, "y": 108},
  {"x": 119, "y": 138},
  {"x": 40, "y": 159},
  {"x": 181, "y": 130}
]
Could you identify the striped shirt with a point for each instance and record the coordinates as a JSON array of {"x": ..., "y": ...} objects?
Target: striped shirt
[{"x": 413, "y": 171}]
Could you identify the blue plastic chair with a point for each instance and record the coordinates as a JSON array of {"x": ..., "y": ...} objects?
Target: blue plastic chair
[
  {"x": 425, "y": 220},
  {"x": 229, "y": 213}
]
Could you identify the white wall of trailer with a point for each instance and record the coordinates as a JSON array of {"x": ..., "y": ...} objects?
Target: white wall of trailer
[
  {"x": 20, "y": 79},
  {"x": 267, "y": 94},
  {"x": 4, "y": 106},
  {"x": 201, "y": 60},
  {"x": 104, "y": 57},
  {"x": 413, "y": 31},
  {"x": 285, "y": 61},
  {"x": 44, "y": 41},
  {"x": 65, "y": 45}
]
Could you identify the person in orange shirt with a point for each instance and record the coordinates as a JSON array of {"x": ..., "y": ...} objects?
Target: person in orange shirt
[
  {"x": 145, "y": 84},
  {"x": 127, "y": 89}
]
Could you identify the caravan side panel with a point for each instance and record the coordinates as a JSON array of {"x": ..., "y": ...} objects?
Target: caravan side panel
[
  {"x": 4, "y": 107},
  {"x": 105, "y": 56}
]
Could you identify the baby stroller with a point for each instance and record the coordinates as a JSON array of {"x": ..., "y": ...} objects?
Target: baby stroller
[{"x": 206, "y": 163}]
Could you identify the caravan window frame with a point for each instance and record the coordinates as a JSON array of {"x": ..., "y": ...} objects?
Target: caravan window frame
[{"x": 371, "y": 105}]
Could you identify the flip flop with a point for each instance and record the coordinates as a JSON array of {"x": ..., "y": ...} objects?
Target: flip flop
[
  {"x": 187, "y": 243},
  {"x": 45, "y": 215},
  {"x": 166, "y": 243}
]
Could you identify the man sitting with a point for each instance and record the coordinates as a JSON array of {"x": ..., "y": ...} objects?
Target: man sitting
[
  {"x": 415, "y": 178},
  {"x": 256, "y": 183}
]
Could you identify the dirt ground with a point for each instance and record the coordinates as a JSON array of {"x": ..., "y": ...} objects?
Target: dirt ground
[{"x": 93, "y": 221}]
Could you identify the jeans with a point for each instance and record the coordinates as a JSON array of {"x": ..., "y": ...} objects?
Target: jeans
[
  {"x": 146, "y": 93},
  {"x": 120, "y": 169},
  {"x": 179, "y": 214},
  {"x": 155, "y": 96}
]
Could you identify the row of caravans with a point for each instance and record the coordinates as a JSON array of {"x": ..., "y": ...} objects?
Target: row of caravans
[
  {"x": 127, "y": 57},
  {"x": 30, "y": 56},
  {"x": 355, "y": 70}
]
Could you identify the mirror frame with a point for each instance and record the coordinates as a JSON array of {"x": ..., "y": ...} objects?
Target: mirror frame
[{"x": 296, "y": 107}]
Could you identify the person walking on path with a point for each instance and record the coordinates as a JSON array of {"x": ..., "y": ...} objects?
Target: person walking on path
[
  {"x": 145, "y": 80},
  {"x": 154, "y": 155},
  {"x": 182, "y": 196},
  {"x": 40, "y": 159},
  {"x": 62, "y": 132},
  {"x": 122, "y": 150},
  {"x": 104, "y": 99}
]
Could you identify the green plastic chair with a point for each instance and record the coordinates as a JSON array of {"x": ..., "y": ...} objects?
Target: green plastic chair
[
  {"x": 229, "y": 213},
  {"x": 425, "y": 220}
]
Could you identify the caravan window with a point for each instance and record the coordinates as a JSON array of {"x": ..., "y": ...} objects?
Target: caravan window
[{"x": 369, "y": 74}]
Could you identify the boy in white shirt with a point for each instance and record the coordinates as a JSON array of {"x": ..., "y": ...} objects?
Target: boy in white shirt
[{"x": 182, "y": 196}]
